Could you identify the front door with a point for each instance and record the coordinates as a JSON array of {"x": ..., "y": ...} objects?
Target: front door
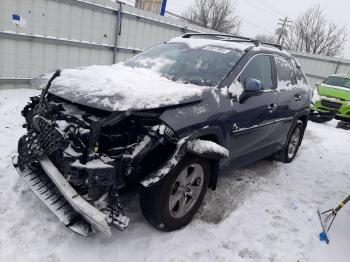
[{"x": 251, "y": 121}]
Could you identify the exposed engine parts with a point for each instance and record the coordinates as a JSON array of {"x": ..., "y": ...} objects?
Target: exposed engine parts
[
  {"x": 34, "y": 145},
  {"x": 97, "y": 152}
]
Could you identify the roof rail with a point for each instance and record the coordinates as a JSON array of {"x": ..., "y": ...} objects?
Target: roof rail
[
  {"x": 280, "y": 47},
  {"x": 189, "y": 35},
  {"x": 233, "y": 38}
]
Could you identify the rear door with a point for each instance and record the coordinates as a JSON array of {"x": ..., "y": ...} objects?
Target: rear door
[
  {"x": 288, "y": 99},
  {"x": 303, "y": 88},
  {"x": 250, "y": 121}
]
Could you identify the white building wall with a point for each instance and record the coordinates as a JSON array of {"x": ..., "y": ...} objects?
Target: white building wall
[{"x": 70, "y": 33}]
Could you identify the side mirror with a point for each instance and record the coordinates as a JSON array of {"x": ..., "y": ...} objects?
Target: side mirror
[{"x": 252, "y": 87}]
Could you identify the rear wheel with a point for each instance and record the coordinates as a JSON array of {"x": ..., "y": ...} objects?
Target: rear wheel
[
  {"x": 171, "y": 203},
  {"x": 290, "y": 149}
]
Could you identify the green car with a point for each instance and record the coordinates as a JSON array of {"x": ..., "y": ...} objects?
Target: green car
[{"x": 331, "y": 99}]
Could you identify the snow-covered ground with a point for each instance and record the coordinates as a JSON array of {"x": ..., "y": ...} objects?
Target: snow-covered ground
[{"x": 264, "y": 212}]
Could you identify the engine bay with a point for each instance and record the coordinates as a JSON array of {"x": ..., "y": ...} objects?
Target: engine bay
[{"x": 98, "y": 152}]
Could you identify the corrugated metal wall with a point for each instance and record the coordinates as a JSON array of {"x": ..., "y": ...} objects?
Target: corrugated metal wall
[
  {"x": 70, "y": 33},
  {"x": 317, "y": 67},
  {"x": 55, "y": 34}
]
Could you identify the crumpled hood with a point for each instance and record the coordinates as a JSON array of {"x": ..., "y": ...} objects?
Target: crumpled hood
[{"x": 121, "y": 88}]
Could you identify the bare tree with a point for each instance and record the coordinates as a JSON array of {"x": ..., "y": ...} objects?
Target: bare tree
[
  {"x": 219, "y": 15},
  {"x": 266, "y": 38},
  {"x": 313, "y": 33}
]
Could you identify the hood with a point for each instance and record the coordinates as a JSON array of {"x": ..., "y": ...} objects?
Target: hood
[
  {"x": 121, "y": 88},
  {"x": 334, "y": 91}
]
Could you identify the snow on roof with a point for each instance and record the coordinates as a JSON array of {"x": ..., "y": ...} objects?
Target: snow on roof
[
  {"x": 200, "y": 43},
  {"x": 265, "y": 47},
  {"x": 120, "y": 88},
  {"x": 203, "y": 42}
]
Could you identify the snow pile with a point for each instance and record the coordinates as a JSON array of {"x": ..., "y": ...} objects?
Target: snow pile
[
  {"x": 199, "y": 146},
  {"x": 236, "y": 89},
  {"x": 141, "y": 145},
  {"x": 315, "y": 96},
  {"x": 156, "y": 64},
  {"x": 160, "y": 129},
  {"x": 70, "y": 151},
  {"x": 121, "y": 88},
  {"x": 62, "y": 125}
]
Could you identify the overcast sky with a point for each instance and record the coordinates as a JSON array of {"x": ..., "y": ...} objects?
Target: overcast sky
[{"x": 261, "y": 16}]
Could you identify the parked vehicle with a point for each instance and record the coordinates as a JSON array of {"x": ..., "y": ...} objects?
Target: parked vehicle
[
  {"x": 331, "y": 99},
  {"x": 166, "y": 121}
]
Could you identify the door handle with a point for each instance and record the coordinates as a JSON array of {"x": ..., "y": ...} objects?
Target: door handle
[
  {"x": 297, "y": 98},
  {"x": 272, "y": 107}
]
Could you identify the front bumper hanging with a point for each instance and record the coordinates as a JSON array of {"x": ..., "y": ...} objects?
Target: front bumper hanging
[{"x": 61, "y": 198}]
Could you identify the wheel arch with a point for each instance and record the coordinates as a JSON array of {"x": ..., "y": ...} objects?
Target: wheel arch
[
  {"x": 304, "y": 118},
  {"x": 214, "y": 163},
  {"x": 213, "y": 134},
  {"x": 301, "y": 117}
]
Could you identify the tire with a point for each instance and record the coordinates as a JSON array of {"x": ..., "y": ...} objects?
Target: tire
[
  {"x": 320, "y": 118},
  {"x": 156, "y": 201},
  {"x": 290, "y": 149},
  {"x": 343, "y": 125}
]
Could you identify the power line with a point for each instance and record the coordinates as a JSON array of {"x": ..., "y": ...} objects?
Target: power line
[
  {"x": 257, "y": 26},
  {"x": 261, "y": 8},
  {"x": 274, "y": 8},
  {"x": 268, "y": 8},
  {"x": 253, "y": 24},
  {"x": 172, "y": 14}
]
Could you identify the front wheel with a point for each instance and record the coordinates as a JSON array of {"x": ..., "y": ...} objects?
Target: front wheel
[
  {"x": 171, "y": 203},
  {"x": 290, "y": 149}
]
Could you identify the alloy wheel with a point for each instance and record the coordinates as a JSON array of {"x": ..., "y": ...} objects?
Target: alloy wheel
[
  {"x": 294, "y": 143},
  {"x": 186, "y": 190}
]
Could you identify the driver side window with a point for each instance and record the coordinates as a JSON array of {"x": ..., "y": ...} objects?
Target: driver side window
[{"x": 258, "y": 68}]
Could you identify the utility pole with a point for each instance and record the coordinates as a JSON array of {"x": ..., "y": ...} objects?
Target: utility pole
[{"x": 282, "y": 31}]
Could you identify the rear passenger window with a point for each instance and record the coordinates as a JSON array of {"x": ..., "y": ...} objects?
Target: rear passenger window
[
  {"x": 299, "y": 74},
  {"x": 285, "y": 71},
  {"x": 258, "y": 68}
]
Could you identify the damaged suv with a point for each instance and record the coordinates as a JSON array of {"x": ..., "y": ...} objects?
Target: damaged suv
[{"x": 165, "y": 122}]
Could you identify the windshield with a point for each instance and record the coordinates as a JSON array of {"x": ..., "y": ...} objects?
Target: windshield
[
  {"x": 205, "y": 66},
  {"x": 338, "y": 81}
]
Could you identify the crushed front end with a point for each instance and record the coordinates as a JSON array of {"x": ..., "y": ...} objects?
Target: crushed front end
[{"x": 78, "y": 159}]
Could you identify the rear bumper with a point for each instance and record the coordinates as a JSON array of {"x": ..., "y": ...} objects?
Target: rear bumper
[{"x": 61, "y": 198}]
